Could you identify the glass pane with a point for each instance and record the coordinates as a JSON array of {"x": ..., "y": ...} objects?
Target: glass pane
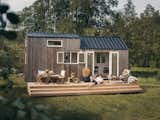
[
  {"x": 98, "y": 58},
  {"x": 60, "y": 57},
  {"x": 103, "y": 58},
  {"x": 81, "y": 58},
  {"x": 90, "y": 61},
  {"x": 67, "y": 57},
  {"x": 56, "y": 43},
  {"x": 74, "y": 57},
  {"x": 114, "y": 64}
]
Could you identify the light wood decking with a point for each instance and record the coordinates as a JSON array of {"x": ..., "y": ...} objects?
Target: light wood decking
[{"x": 40, "y": 89}]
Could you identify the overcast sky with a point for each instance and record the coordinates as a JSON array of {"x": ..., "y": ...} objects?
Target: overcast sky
[{"x": 17, "y": 5}]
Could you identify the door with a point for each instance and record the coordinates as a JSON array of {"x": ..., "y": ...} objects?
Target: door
[{"x": 114, "y": 63}]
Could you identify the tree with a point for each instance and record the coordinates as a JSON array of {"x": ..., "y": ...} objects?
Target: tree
[
  {"x": 11, "y": 17},
  {"x": 80, "y": 14},
  {"x": 129, "y": 12}
]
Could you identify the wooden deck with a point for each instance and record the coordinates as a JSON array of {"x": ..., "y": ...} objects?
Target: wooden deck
[{"x": 40, "y": 89}]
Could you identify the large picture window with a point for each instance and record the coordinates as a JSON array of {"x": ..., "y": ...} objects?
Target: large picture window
[
  {"x": 54, "y": 43},
  {"x": 67, "y": 57}
]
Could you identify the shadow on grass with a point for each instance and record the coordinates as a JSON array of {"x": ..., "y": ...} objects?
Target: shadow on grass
[{"x": 75, "y": 115}]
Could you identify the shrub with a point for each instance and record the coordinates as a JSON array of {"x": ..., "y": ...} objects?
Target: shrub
[{"x": 158, "y": 75}]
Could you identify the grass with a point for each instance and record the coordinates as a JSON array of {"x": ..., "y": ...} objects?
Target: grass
[{"x": 145, "y": 106}]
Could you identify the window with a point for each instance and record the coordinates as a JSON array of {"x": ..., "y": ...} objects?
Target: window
[
  {"x": 60, "y": 58},
  {"x": 101, "y": 58},
  {"x": 73, "y": 57},
  {"x": 81, "y": 57},
  {"x": 67, "y": 57},
  {"x": 54, "y": 43},
  {"x": 98, "y": 58}
]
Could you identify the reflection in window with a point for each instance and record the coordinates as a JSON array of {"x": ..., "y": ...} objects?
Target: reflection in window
[
  {"x": 66, "y": 57},
  {"x": 74, "y": 58},
  {"x": 103, "y": 58},
  {"x": 54, "y": 43},
  {"x": 81, "y": 57},
  {"x": 98, "y": 58}
]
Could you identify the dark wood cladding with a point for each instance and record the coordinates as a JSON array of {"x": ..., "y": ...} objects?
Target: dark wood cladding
[{"x": 41, "y": 57}]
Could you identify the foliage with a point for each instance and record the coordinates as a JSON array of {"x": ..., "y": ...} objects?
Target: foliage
[
  {"x": 11, "y": 17},
  {"x": 143, "y": 106},
  {"x": 97, "y": 17},
  {"x": 14, "y": 107},
  {"x": 50, "y": 15}
]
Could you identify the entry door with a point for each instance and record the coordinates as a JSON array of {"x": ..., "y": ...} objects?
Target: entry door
[
  {"x": 90, "y": 61},
  {"x": 114, "y": 63}
]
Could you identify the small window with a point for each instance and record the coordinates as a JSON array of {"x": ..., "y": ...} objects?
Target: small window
[
  {"x": 74, "y": 58},
  {"x": 60, "y": 57},
  {"x": 67, "y": 57},
  {"x": 54, "y": 43},
  {"x": 81, "y": 57}
]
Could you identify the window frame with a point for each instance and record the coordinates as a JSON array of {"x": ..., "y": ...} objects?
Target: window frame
[
  {"x": 69, "y": 58},
  {"x": 101, "y": 56},
  {"x": 70, "y": 53},
  {"x": 55, "y": 45},
  {"x": 58, "y": 57},
  {"x": 79, "y": 57}
]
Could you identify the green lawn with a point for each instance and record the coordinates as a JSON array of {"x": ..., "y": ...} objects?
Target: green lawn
[{"x": 144, "y": 106}]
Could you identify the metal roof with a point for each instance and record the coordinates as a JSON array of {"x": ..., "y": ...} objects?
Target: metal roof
[
  {"x": 51, "y": 35},
  {"x": 105, "y": 42},
  {"x": 87, "y": 42}
]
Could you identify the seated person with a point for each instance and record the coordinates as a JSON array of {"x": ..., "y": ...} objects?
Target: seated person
[
  {"x": 125, "y": 74},
  {"x": 98, "y": 79},
  {"x": 86, "y": 74}
]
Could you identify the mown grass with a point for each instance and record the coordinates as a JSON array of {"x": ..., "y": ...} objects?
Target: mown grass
[{"x": 144, "y": 106}]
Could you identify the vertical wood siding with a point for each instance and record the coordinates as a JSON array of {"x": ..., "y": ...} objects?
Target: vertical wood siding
[{"x": 41, "y": 57}]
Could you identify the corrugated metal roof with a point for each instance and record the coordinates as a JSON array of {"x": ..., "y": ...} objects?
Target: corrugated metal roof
[
  {"x": 51, "y": 35},
  {"x": 87, "y": 42},
  {"x": 105, "y": 42}
]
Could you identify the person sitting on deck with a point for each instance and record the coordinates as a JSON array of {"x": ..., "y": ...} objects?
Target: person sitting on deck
[
  {"x": 97, "y": 80},
  {"x": 86, "y": 74}
]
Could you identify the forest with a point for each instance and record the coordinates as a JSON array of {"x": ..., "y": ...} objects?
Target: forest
[{"x": 141, "y": 32}]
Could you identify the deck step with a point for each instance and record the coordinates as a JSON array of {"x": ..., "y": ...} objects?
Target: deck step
[
  {"x": 35, "y": 89},
  {"x": 82, "y": 88},
  {"x": 91, "y": 92}
]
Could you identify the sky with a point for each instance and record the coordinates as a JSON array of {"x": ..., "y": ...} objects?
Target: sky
[{"x": 17, "y": 5}]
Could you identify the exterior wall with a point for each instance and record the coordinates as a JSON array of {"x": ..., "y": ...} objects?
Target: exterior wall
[
  {"x": 123, "y": 60},
  {"x": 41, "y": 57}
]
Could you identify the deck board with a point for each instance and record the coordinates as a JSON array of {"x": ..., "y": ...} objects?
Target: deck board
[{"x": 40, "y": 89}]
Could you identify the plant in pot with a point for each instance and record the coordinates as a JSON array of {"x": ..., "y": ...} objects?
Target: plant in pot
[{"x": 86, "y": 74}]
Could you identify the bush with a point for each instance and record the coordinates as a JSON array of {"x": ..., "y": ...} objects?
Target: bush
[{"x": 158, "y": 75}]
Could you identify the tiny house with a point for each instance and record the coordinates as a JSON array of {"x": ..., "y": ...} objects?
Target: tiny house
[{"x": 107, "y": 55}]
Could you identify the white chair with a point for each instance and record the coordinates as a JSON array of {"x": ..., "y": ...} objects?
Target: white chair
[{"x": 63, "y": 73}]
